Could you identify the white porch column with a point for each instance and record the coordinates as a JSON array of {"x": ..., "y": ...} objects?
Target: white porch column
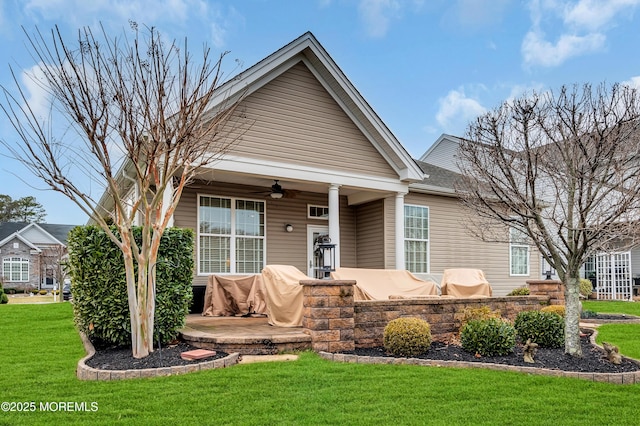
[
  {"x": 167, "y": 196},
  {"x": 334, "y": 219},
  {"x": 399, "y": 228}
]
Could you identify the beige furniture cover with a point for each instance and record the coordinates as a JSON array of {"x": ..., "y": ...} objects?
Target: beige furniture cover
[
  {"x": 383, "y": 284},
  {"x": 464, "y": 282},
  {"x": 283, "y": 294},
  {"x": 227, "y": 296}
]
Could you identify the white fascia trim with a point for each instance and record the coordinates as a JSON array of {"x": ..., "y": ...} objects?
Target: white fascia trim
[
  {"x": 432, "y": 189},
  {"x": 21, "y": 238},
  {"x": 308, "y": 174}
]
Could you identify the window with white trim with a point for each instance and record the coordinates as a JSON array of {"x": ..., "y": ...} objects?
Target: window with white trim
[
  {"x": 518, "y": 252},
  {"x": 416, "y": 238},
  {"x": 317, "y": 212},
  {"x": 231, "y": 235},
  {"x": 15, "y": 269}
]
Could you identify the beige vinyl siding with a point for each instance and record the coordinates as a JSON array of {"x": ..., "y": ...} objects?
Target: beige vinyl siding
[
  {"x": 451, "y": 246},
  {"x": 390, "y": 233},
  {"x": 288, "y": 248},
  {"x": 295, "y": 117},
  {"x": 370, "y": 235}
]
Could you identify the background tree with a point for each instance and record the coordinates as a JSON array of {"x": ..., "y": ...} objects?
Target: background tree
[
  {"x": 562, "y": 168},
  {"x": 25, "y": 209},
  {"x": 148, "y": 118}
]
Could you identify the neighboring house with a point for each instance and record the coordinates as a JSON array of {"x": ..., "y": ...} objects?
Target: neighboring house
[
  {"x": 30, "y": 254},
  {"x": 317, "y": 160},
  {"x": 443, "y": 153}
]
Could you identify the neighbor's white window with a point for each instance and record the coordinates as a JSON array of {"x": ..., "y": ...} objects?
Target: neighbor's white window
[
  {"x": 518, "y": 252},
  {"x": 15, "y": 269},
  {"x": 231, "y": 235},
  {"x": 416, "y": 238}
]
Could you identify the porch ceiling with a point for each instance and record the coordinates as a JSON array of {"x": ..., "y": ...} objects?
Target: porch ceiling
[{"x": 356, "y": 195}]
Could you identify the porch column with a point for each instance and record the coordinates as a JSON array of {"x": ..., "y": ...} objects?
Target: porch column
[
  {"x": 334, "y": 219},
  {"x": 399, "y": 228},
  {"x": 167, "y": 196}
]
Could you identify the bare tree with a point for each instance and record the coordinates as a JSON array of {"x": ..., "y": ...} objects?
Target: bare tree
[
  {"x": 562, "y": 169},
  {"x": 148, "y": 118}
]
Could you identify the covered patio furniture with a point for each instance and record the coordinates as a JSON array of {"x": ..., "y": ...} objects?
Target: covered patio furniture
[
  {"x": 228, "y": 296},
  {"x": 283, "y": 294},
  {"x": 384, "y": 284},
  {"x": 463, "y": 282}
]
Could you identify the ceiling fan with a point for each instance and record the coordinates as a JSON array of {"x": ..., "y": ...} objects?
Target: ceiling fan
[{"x": 278, "y": 192}]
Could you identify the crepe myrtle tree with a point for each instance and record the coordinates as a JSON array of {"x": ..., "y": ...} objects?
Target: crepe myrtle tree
[
  {"x": 561, "y": 171},
  {"x": 148, "y": 118}
]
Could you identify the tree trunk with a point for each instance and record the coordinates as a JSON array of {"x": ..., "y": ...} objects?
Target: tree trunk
[{"x": 572, "y": 315}]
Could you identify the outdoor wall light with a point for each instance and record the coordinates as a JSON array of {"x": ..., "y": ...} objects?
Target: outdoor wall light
[{"x": 288, "y": 227}]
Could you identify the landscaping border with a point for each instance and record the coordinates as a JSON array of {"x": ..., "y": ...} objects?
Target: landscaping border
[
  {"x": 84, "y": 372},
  {"x": 616, "y": 378}
]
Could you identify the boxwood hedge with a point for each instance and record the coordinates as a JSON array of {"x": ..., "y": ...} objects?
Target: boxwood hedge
[{"x": 100, "y": 305}]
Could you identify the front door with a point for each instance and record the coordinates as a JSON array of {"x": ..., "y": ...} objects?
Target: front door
[{"x": 313, "y": 232}]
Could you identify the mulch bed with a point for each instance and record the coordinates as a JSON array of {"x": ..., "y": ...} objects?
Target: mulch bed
[
  {"x": 592, "y": 360},
  {"x": 119, "y": 358}
]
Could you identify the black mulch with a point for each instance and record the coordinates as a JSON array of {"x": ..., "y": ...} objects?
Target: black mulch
[
  {"x": 166, "y": 356},
  {"x": 592, "y": 360}
]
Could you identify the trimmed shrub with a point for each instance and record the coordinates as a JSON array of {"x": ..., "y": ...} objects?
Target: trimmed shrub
[
  {"x": 42, "y": 292},
  {"x": 34, "y": 291},
  {"x": 407, "y": 337},
  {"x": 520, "y": 291},
  {"x": 544, "y": 328},
  {"x": 99, "y": 291},
  {"x": 556, "y": 309},
  {"x": 3, "y": 297},
  {"x": 482, "y": 313},
  {"x": 488, "y": 337},
  {"x": 586, "y": 287}
]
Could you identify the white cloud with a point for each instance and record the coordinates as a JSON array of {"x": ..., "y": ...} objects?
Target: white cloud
[
  {"x": 595, "y": 14},
  {"x": 377, "y": 15},
  {"x": 536, "y": 50},
  {"x": 633, "y": 82},
  {"x": 457, "y": 110},
  {"x": 38, "y": 98},
  {"x": 578, "y": 28}
]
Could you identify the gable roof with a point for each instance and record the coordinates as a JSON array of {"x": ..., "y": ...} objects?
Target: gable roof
[
  {"x": 54, "y": 232},
  {"x": 443, "y": 152},
  {"x": 306, "y": 48}
]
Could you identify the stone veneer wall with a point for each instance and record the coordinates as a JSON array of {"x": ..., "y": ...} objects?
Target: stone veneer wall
[
  {"x": 337, "y": 323},
  {"x": 444, "y": 315},
  {"x": 554, "y": 289}
]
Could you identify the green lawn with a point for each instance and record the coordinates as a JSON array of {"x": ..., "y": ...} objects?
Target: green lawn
[
  {"x": 612, "y": 307},
  {"x": 40, "y": 349}
]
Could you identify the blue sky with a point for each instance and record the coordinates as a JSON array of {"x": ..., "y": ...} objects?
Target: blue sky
[{"x": 426, "y": 67}]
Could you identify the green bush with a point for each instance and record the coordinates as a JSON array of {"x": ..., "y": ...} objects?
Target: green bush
[
  {"x": 481, "y": 313},
  {"x": 520, "y": 291},
  {"x": 407, "y": 337},
  {"x": 586, "y": 287},
  {"x": 488, "y": 337},
  {"x": 34, "y": 291},
  {"x": 3, "y": 297},
  {"x": 544, "y": 328},
  {"x": 556, "y": 309},
  {"x": 42, "y": 292},
  {"x": 96, "y": 268}
]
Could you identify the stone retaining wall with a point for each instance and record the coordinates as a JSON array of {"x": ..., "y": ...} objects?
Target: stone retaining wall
[
  {"x": 443, "y": 315},
  {"x": 337, "y": 323}
]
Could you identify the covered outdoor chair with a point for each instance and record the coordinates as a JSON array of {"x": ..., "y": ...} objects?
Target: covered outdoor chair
[
  {"x": 383, "y": 284},
  {"x": 234, "y": 295},
  {"x": 463, "y": 282},
  {"x": 283, "y": 294}
]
